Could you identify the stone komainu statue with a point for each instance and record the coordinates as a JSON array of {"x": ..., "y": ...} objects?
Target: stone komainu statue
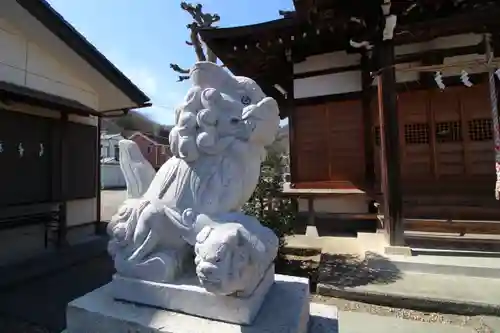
[{"x": 192, "y": 206}]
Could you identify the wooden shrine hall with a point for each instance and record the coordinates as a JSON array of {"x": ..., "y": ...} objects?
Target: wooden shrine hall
[{"x": 390, "y": 105}]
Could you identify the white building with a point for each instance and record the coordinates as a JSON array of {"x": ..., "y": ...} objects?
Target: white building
[
  {"x": 109, "y": 146},
  {"x": 111, "y": 173},
  {"x": 54, "y": 87}
]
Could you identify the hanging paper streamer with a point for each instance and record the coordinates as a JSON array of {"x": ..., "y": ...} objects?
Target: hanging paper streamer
[
  {"x": 40, "y": 153},
  {"x": 20, "y": 149},
  {"x": 1, "y": 147},
  {"x": 465, "y": 79},
  {"x": 497, "y": 73},
  {"x": 438, "y": 77}
]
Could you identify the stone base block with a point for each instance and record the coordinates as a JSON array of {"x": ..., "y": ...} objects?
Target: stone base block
[
  {"x": 398, "y": 250},
  {"x": 187, "y": 296},
  {"x": 285, "y": 309}
]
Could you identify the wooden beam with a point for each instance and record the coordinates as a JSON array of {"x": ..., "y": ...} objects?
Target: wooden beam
[
  {"x": 393, "y": 211},
  {"x": 311, "y": 221},
  {"x": 455, "y": 226},
  {"x": 366, "y": 102}
]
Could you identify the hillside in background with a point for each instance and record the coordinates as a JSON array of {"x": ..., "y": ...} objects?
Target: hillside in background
[{"x": 132, "y": 122}]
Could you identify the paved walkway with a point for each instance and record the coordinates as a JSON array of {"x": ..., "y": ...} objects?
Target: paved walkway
[{"x": 110, "y": 201}]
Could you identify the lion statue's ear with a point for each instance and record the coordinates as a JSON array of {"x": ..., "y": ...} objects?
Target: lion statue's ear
[
  {"x": 240, "y": 237},
  {"x": 203, "y": 234}
]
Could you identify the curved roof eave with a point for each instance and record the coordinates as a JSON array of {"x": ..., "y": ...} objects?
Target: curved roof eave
[
  {"x": 236, "y": 32},
  {"x": 52, "y": 20}
]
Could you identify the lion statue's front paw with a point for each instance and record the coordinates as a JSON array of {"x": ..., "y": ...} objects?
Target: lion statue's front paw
[{"x": 227, "y": 259}]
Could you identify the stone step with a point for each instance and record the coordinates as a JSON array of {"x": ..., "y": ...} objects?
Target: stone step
[
  {"x": 417, "y": 291},
  {"x": 449, "y": 262}
]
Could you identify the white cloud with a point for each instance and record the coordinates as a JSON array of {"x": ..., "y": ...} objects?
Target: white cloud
[{"x": 143, "y": 78}]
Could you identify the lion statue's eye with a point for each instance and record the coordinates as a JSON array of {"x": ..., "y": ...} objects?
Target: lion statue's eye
[
  {"x": 245, "y": 100},
  {"x": 234, "y": 121}
]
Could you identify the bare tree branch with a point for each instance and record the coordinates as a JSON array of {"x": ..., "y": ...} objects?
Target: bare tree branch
[
  {"x": 195, "y": 40},
  {"x": 178, "y": 69},
  {"x": 210, "y": 55},
  {"x": 200, "y": 21},
  {"x": 203, "y": 20},
  {"x": 286, "y": 13},
  {"x": 183, "y": 78}
]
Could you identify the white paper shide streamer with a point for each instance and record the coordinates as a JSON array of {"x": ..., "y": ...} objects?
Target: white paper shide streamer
[
  {"x": 438, "y": 77},
  {"x": 465, "y": 79}
]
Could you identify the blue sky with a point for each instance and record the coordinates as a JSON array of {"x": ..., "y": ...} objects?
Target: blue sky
[{"x": 142, "y": 37}]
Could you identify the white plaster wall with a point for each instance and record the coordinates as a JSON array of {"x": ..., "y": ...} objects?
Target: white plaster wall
[
  {"x": 440, "y": 43},
  {"x": 347, "y": 204},
  {"x": 112, "y": 176},
  {"x": 90, "y": 120},
  {"x": 25, "y": 63},
  {"x": 81, "y": 211},
  {"x": 350, "y": 81},
  {"x": 326, "y": 61},
  {"x": 108, "y": 146}
]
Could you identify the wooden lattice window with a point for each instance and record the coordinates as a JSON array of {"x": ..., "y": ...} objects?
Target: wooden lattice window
[
  {"x": 416, "y": 134},
  {"x": 449, "y": 131},
  {"x": 480, "y": 130},
  {"x": 376, "y": 134}
]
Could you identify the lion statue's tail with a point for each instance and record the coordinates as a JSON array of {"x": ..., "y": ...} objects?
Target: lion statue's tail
[
  {"x": 137, "y": 171},
  {"x": 138, "y": 174}
]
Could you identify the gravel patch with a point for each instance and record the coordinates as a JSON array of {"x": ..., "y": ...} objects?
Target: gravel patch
[{"x": 475, "y": 322}]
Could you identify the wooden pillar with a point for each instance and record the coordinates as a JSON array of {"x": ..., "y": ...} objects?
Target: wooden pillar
[
  {"x": 290, "y": 106},
  {"x": 311, "y": 229},
  {"x": 393, "y": 212},
  {"x": 310, "y": 211},
  {"x": 366, "y": 102},
  {"x": 99, "y": 227},
  {"x": 63, "y": 191}
]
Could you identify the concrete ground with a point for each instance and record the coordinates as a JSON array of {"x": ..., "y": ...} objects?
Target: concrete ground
[{"x": 110, "y": 201}]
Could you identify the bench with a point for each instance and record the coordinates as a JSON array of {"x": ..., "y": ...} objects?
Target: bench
[{"x": 49, "y": 215}]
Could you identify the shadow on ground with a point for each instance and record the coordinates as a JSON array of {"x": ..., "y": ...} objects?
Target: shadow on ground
[
  {"x": 347, "y": 271},
  {"x": 43, "y": 301},
  {"x": 302, "y": 267}
]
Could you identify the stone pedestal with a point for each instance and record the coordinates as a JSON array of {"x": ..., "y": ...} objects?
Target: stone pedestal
[
  {"x": 285, "y": 309},
  {"x": 187, "y": 296}
]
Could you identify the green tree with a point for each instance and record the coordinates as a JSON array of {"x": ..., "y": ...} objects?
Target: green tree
[{"x": 267, "y": 202}]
